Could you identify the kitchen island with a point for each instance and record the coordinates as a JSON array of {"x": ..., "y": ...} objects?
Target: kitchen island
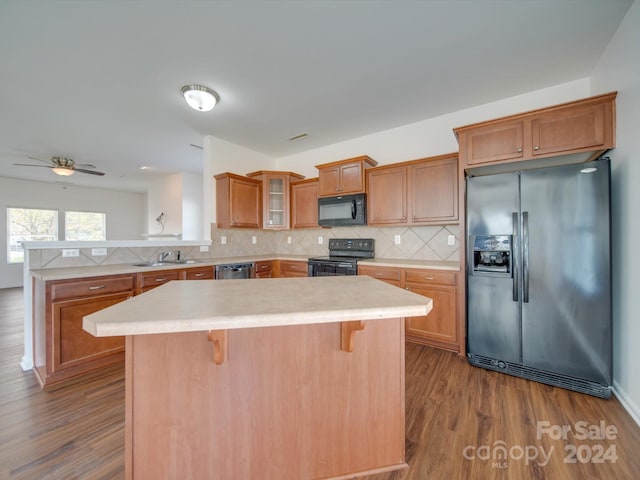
[{"x": 294, "y": 378}]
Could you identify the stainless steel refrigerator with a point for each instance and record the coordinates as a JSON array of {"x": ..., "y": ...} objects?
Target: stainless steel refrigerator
[{"x": 538, "y": 275}]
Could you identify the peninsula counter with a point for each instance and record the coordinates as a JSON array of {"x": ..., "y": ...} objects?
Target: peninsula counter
[{"x": 291, "y": 378}]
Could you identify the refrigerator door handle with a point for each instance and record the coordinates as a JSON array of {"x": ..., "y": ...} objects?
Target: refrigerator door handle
[
  {"x": 525, "y": 257},
  {"x": 514, "y": 248}
]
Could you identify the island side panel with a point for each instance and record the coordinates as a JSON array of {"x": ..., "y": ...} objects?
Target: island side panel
[{"x": 286, "y": 403}]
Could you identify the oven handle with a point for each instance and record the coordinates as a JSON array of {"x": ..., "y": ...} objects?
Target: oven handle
[{"x": 345, "y": 265}]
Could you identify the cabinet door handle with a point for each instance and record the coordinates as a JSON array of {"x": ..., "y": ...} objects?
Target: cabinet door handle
[
  {"x": 427, "y": 277},
  {"x": 404, "y": 218},
  {"x": 199, "y": 275},
  {"x": 161, "y": 279},
  {"x": 520, "y": 150},
  {"x": 536, "y": 148},
  {"x": 96, "y": 287}
]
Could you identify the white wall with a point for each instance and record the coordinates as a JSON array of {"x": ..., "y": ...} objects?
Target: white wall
[
  {"x": 619, "y": 69},
  {"x": 179, "y": 197},
  {"x": 221, "y": 156},
  {"x": 429, "y": 137},
  {"x": 125, "y": 212},
  {"x": 165, "y": 196},
  {"x": 192, "y": 209}
]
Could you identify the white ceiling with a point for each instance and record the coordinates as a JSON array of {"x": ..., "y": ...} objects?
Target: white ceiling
[{"x": 99, "y": 81}]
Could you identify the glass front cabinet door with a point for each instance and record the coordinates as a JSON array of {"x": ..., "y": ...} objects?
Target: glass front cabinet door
[{"x": 275, "y": 197}]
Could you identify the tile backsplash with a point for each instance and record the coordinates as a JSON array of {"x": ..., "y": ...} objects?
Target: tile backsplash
[
  {"x": 418, "y": 243},
  {"x": 52, "y": 258}
]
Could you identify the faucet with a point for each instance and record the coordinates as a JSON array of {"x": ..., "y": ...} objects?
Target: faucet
[{"x": 163, "y": 255}]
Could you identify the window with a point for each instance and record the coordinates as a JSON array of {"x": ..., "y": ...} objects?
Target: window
[
  {"x": 84, "y": 226},
  {"x": 27, "y": 224}
]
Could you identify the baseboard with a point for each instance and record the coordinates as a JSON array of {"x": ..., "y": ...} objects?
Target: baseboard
[
  {"x": 629, "y": 405},
  {"x": 26, "y": 364}
]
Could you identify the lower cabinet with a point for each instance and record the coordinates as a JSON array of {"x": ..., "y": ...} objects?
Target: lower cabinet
[
  {"x": 62, "y": 349},
  {"x": 199, "y": 273},
  {"x": 264, "y": 269},
  {"x": 440, "y": 327},
  {"x": 292, "y": 268},
  {"x": 147, "y": 281}
]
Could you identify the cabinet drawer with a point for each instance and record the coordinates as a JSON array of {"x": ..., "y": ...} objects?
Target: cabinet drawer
[
  {"x": 200, "y": 273},
  {"x": 264, "y": 269},
  {"x": 430, "y": 276},
  {"x": 150, "y": 280},
  {"x": 89, "y": 287},
  {"x": 293, "y": 268},
  {"x": 263, "y": 266},
  {"x": 381, "y": 273}
]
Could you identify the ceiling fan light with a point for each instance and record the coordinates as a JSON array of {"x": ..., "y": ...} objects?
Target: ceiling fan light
[
  {"x": 62, "y": 171},
  {"x": 200, "y": 98}
]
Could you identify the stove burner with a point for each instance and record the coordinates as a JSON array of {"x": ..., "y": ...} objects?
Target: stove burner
[{"x": 343, "y": 257}]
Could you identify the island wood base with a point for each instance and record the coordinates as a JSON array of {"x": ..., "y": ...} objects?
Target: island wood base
[{"x": 287, "y": 402}]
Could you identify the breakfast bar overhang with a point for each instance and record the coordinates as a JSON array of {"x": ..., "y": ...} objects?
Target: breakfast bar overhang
[{"x": 284, "y": 378}]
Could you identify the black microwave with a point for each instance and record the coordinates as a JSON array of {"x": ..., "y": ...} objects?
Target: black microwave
[{"x": 342, "y": 210}]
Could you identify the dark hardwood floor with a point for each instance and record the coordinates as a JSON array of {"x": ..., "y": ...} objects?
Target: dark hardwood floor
[{"x": 457, "y": 416}]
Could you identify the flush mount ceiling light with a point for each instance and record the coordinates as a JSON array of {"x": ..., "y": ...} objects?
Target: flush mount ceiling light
[
  {"x": 200, "y": 98},
  {"x": 63, "y": 171}
]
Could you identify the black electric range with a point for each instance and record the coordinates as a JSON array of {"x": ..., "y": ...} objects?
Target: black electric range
[{"x": 344, "y": 254}]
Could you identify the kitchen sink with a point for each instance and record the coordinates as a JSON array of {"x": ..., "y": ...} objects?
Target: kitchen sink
[
  {"x": 152, "y": 264},
  {"x": 164, "y": 263}
]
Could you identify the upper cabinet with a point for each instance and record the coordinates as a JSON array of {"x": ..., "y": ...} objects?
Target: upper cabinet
[
  {"x": 343, "y": 177},
  {"x": 582, "y": 126},
  {"x": 238, "y": 201},
  {"x": 304, "y": 203},
  {"x": 420, "y": 192},
  {"x": 276, "y": 202}
]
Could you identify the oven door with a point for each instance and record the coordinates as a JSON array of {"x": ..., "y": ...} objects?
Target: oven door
[{"x": 332, "y": 269}]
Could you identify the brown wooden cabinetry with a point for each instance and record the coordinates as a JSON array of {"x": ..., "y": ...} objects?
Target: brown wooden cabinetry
[
  {"x": 419, "y": 192},
  {"x": 343, "y": 177},
  {"x": 238, "y": 201},
  {"x": 292, "y": 268},
  {"x": 388, "y": 274},
  {"x": 304, "y": 203},
  {"x": 198, "y": 273},
  {"x": 149, "y": 280},
  {"x": 440, "y": 328},
  {"x": 264, "y": 269},
  {"x": 62, "y": 349},
  {"x": 275, "y": 197},
  {"x": 582, "y": 126}
]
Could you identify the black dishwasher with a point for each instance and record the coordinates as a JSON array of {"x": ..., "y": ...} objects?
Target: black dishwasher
[{"x": 235, "y": 270}]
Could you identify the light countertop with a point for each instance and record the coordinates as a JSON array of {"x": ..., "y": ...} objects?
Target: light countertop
[
  {"x": 409, "y": 263},
  {"x": 66, "y": 273},
  {"x": 201, "y": 305}
]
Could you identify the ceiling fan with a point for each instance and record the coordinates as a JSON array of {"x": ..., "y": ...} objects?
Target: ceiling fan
[{"x": 63, "y": 166}]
